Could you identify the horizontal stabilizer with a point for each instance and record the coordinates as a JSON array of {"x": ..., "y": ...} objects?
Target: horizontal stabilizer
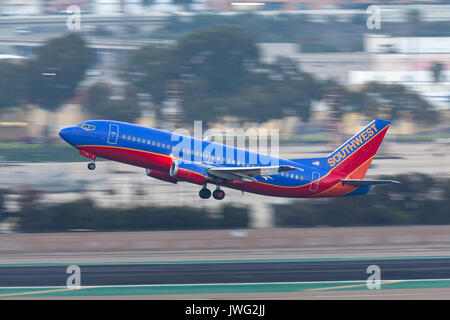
[{"x": 363, "y": 183}]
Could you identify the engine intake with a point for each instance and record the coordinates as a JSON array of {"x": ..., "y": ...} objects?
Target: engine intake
[{"x": 187, "y": 171}]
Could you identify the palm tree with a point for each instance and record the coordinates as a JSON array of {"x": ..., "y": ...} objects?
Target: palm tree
[{"x": 436, "y": 69}]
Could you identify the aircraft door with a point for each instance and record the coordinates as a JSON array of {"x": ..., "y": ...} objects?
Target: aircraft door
[
  {"x": 113, "y": 133},
  {"x": 314, "y": 181}
]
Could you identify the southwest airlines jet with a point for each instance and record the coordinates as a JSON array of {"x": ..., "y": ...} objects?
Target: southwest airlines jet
[{"x": 170, "y": 157}]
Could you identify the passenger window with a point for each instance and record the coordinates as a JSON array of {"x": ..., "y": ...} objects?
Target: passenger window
[
  {"x": 129, "y": 138},
  {"x": 138, "y": 139},
  {"x": 134, "y": 138},
  {"x": 143, "y": 140},
  {"x": 124, "y": 136},
  {"x": 159, "y": 144}
]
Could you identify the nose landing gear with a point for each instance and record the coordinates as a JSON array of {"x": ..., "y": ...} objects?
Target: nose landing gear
[{"x": 91, "y": 165}]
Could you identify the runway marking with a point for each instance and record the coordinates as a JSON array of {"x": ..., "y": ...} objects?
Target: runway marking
[
  {"x": 350, "y": 286},
  {"x": 40, "y": 292},
  {"x": 210, "y": 288},
  {"x": 341, "y": 296}
]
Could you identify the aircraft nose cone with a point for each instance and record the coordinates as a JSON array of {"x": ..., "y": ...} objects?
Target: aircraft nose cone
[
  {"x": 69, "y": 134},
  {"x": 63, "y": 133}
]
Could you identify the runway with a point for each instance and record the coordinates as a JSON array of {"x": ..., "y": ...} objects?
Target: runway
[{"x": 226, "y": 277}]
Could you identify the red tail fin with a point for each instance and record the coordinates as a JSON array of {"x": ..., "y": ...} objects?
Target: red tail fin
[{"x": 353, "y": 158}]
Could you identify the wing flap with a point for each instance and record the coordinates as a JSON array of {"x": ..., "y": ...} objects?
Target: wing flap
[{"x": 246, "y": 174}]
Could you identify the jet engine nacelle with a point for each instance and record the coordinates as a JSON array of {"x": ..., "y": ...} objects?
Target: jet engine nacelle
[
  {"x": 187, "y": 171},
  {"x": 160, "y": 175}
]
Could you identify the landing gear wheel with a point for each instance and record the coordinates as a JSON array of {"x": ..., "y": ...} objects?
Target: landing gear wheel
[
  {"x": 218, "y": 194},
  {"x": 91, "y": 166},
  {"x": 204, "y": 193}
]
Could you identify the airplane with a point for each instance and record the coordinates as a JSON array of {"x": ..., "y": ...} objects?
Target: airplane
[{"x": 172, "y": 158}]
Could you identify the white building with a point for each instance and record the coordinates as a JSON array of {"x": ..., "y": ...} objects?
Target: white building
[
  {"x": 20, "y": 7},
  {"x": 388, "y": 44}
]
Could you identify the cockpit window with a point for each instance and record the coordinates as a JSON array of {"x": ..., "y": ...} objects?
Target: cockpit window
[{"x": 86, "y": 126}]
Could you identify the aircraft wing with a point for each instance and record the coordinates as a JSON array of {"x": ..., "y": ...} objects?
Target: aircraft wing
[
  {"x": 363, "y": 183},
  {"x": 246, "y": 174}
]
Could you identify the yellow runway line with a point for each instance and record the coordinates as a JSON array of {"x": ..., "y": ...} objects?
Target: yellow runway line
[
  {"x": 40, "y": 291},
  {"x": 350, "y": 286}
]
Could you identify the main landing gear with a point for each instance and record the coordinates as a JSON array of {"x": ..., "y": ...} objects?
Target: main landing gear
[
  {"x": 205, "y": 193},
  {"x": 218, "y": 194}
]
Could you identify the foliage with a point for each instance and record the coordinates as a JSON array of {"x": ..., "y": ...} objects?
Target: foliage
[
  {"x": 101, "y": 106},
  {"x": 376, "y": 98},
  {"x": 151, "y": 69},
  {"x": 11, "y": 88},
  {"x": 53, "y": 76},
  {"x": 436, "y": 70},
  {"x": 84, "y": 214},
  {"x": 222, "y": 56},
  {"x": 420, "y": 199},
  {"x": 2, "y": 204}
]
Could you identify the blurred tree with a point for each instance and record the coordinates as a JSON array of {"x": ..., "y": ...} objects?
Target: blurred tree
[
  {"x": 53, "y": 76},
  {"x": 413, "y": 16},
  {"x": 100, "y": 105},
  {"x": 151, "y": 69},
  {"x": 2, "y": 204},
  {"x": 398, "y": 99},
  {"x": 222, "y": 56},
  {"x": 359, "y": 19},
  {"x": 147, "y": 2},
  {"x": 420, "y": 199},
  {"x": 341, "y": 100},
  {"x": 11, "y": 84},
  {"x": 376, "y": 98},
  {"x": 185, "y": 3},
  {"x": 198, "y": 104},
  {"x": 436, "y": 69},
  {"x": 280, "y": 90}
]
